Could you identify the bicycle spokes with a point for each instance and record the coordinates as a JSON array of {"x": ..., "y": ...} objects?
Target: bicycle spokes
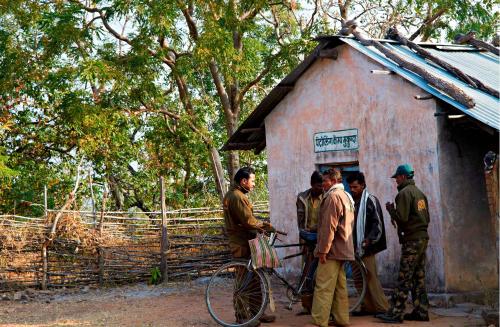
[
  {"x": 356, "y": 283},
  {"x": 236, "y": 295}
]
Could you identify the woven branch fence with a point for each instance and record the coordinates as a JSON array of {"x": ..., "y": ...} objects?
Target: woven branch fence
[{"x": 125, "y": 250}]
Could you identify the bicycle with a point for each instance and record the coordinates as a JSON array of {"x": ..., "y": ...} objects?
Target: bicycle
[{"x": 237, "y": 284}]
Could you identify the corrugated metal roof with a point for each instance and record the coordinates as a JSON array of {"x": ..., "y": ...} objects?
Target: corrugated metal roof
[{"x": 479, "y": 64}]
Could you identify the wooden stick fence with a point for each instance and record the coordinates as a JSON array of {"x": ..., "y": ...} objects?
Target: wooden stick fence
[{"x": 115, "y": 248}]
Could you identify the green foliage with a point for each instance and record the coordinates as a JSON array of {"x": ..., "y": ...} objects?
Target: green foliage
[
  {"x": 155, "y": 278},
  {"x": 137, "y": 97}
]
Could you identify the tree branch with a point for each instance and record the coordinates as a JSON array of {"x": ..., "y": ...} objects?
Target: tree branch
[
  {"x": 344, "y": 7},
  {"x": 104, "y": 20},
  {"x": 250, "y": 14},
  {"x": 214, "y": 71},
  {"x": 257, "y": 79},
  {"x": 427, "y": 23},
  {"x": 190, "y": 123},
  {"x": 186, "y": 11}
]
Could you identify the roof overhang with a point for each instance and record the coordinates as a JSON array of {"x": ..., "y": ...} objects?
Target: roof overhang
[{"x": 251, "y": 133}]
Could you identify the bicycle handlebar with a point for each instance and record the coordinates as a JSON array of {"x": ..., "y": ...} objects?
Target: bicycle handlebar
[{"x": 280, "y": 232}]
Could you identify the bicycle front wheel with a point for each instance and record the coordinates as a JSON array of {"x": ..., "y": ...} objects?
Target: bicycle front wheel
[
  {"x": 355, "y": 272},
  {"x": 236, "y": 296}
]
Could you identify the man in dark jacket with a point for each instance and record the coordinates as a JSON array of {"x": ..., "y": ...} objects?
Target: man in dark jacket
[
  {"x": 411, "y": 215},
  {"x": 241, "y": 226},
  {"x": 369, "y": 239}
]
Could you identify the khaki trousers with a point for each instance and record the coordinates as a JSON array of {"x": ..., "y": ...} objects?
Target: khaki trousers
[
  {"x": 375, "y": 300},
  {"x": 330, "y": 294}
]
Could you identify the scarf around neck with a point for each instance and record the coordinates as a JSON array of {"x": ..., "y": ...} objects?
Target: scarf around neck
[
  {"x": 361, "y": 223},
  {"x": 340, "y": 186}
]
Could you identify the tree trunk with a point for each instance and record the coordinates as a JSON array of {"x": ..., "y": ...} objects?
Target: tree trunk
[
  {"x": 116, "y": 192},
  {"x": 233, "y": 164},
  {"x": 427, "y": 23},
  {"x": 233, "y": 157},
  {"x": 218, "y": 172}
]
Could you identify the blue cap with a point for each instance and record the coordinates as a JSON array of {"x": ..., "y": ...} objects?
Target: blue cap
[{"x": 405, "y": 169}]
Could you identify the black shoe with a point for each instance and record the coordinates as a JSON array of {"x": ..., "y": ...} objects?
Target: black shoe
[
  {"x": 362, "y": 313},
  {"x": 416, "y": 317},
  {"x": 386, "y": 318},
  {"x": 303, "y": 312},
  {"x": 378, "y": 313}
]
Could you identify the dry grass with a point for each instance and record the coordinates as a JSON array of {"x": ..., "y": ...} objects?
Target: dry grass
[{"x": 128, "y": 246}]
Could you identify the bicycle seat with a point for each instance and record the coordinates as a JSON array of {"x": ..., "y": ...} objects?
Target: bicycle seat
[{"x": 309, "y": 237}]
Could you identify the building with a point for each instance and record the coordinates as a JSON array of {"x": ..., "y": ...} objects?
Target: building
[{"x": 347, "y": 105}]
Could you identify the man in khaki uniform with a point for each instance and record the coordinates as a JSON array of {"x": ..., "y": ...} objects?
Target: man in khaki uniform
[
  {"x": 335, "y": 245},
  {"x": 308, "y": 204},
  {"x": 241, "y": 226}
]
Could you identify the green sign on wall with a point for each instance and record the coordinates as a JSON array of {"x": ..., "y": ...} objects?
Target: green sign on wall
[{"x": 343, "y": 140}]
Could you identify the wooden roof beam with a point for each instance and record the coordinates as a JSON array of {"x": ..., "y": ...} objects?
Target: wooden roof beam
[
  {"x": 242, "y": 145},
  {"x": 260, "y": 147},
  {"x": 332, "y": 53},
  {"x": 252, "y": 130}
]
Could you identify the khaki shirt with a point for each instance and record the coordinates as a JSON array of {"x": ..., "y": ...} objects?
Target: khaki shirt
[
  {"x": 335, "y": 226},
  {"x": 304, "y": 210},
  {"x": 240, "y": 223},
  {"x": 313, "y": 207}
]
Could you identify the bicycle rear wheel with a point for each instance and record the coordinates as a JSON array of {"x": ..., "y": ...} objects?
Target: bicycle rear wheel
[
  {"x": 355, "y": 272},
  {"x": 236, "y": 296}
]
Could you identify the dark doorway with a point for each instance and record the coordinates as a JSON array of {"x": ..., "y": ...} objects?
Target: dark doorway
[{"x": 347, "y": 168}]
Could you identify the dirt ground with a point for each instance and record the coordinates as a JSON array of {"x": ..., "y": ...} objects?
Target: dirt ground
[{"x": 172, "y": 305}]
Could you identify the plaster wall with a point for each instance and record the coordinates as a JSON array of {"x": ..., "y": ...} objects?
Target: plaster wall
[
  {"x": 470, "y": 254},
  {"x": 393, "y": 128}
]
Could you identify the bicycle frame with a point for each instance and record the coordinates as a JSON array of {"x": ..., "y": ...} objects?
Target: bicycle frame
[
  {"x": 296, "y": 290},
  {"x": 270, "y": 271}
]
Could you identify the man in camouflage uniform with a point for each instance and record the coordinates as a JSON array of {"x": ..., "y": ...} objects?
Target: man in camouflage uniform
[
  {"x": 411, "y": 215},
  {"x": 241, "y": 226}
]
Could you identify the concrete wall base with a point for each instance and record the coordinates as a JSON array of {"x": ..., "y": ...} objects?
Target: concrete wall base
[{"x": 449, "y": 300}]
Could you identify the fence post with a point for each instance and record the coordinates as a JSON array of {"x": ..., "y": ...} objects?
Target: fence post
[
  {"x": 44, "y": 245},
  {"x": 100, "y": 250},
  {"x": 164, "y": 235},
  {"x": 44, "y": 265}
]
